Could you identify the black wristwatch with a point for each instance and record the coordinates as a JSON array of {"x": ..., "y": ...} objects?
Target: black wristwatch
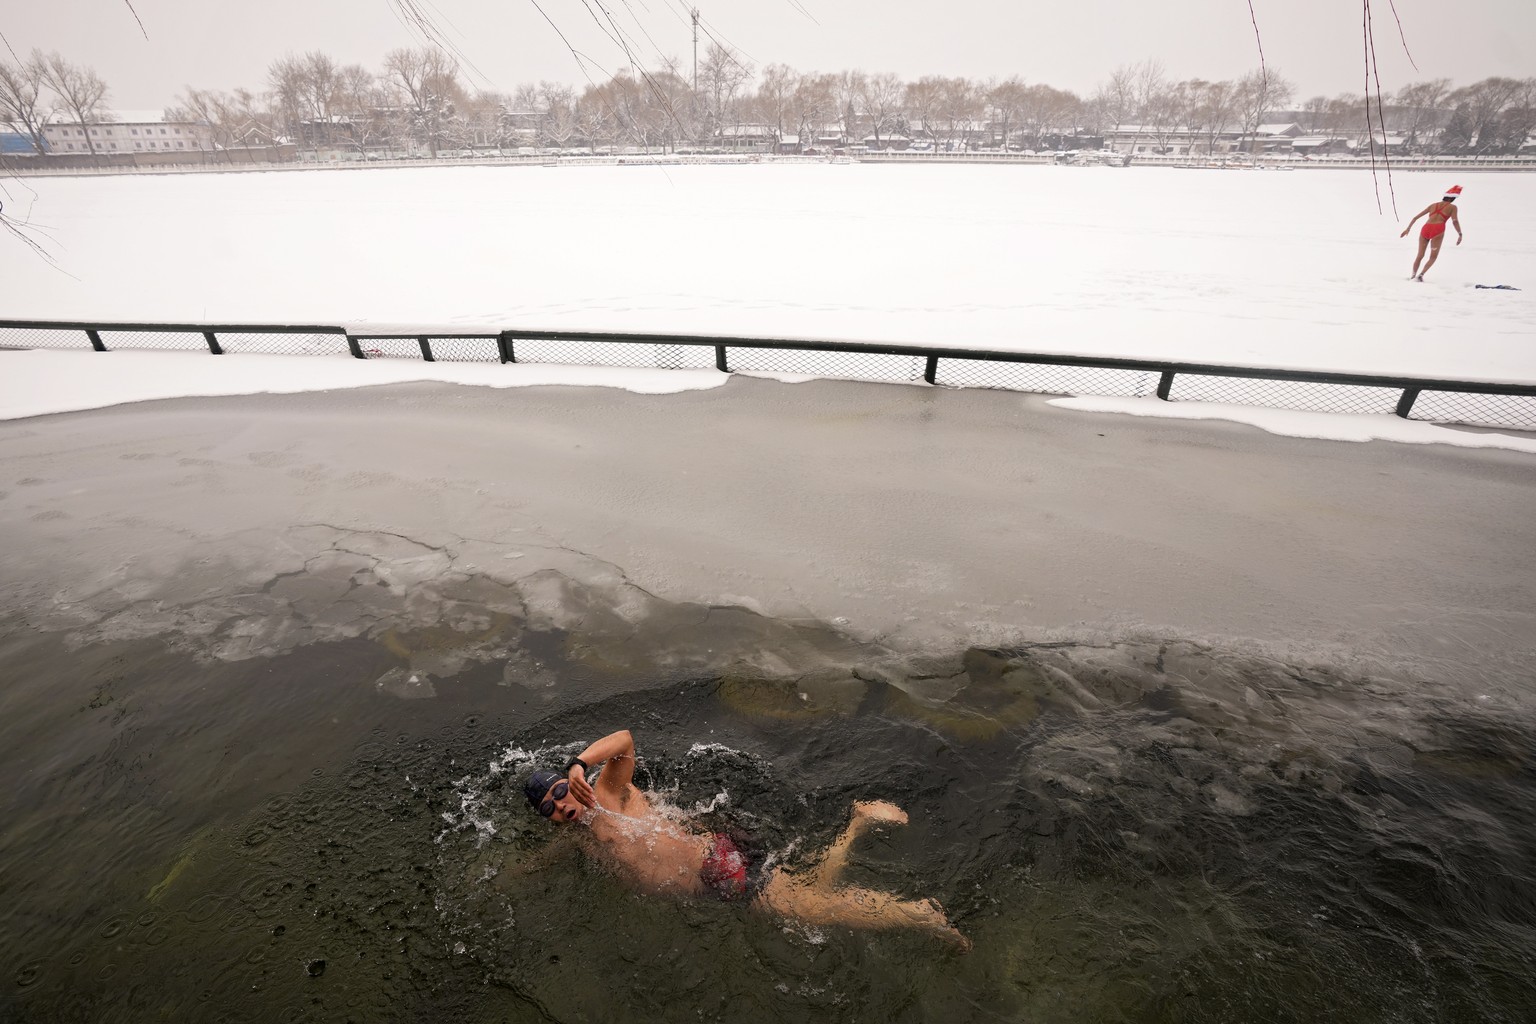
[{"x": 573, "y": 762}]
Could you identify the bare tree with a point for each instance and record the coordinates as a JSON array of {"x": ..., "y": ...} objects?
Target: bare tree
[
  {"x": 1048, "y": 112},
  {"x": 21, "y": 107},
  {"x": 363, "y": 104},
  {"x": 1518, "y": 122},
  {"x": 81, "y": 94},
  {"x": 814, "y": 105},
  {"x": 286, "y": 81},
  {"x": 1164, "y": 113},
  {"x": 1130, "y": 93},
  {"x": 1006, "y": 101},
  {"x": 594, "y": 121},
  {"x": 1484, "y": 102},
  {"x": 847, "y": 90},
  {"x": 558, "y": 123},
  {"x": 773, "y": 103},
  {"x": 880, "y": 101},
  {"x": 1212, "y": 111},
  {"x": 722, "y": 75},
  {"x": 1258, "y": 93},
  {"x": 235, "y": 120},
  {"x": 430, "y": 79},
  {"x": 1419, "y": 109},
  {"x": 962, "y": 106},
  {"x": 923, "y": 100},
  {"x": 1314, "y": 115}
]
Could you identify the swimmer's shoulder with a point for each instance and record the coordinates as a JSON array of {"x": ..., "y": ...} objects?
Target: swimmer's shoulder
[{"x": 630, "y": 800}]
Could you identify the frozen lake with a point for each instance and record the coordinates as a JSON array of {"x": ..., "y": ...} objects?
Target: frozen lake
[
  {"x": 1191, "y": 720},
  {"x": 1258, "y": 268}
]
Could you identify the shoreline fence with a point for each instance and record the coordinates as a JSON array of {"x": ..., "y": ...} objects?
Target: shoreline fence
[{"x": 1471, "y": 402}]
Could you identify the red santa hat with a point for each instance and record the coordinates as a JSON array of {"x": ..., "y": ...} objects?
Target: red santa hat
[{"x": 1454, "y": 190}]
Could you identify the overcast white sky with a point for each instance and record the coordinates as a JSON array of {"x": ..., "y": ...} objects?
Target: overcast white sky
[{"x": 1071, "y": 44}]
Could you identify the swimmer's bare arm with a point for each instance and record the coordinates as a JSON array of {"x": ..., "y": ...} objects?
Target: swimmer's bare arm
[
  {"x": 1415, "y": 220},
  {"x": 617, "y": 751},
  {"x": 1456, "y": 220}
]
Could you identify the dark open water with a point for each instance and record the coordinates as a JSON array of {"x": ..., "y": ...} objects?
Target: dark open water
[{"x": 1147, "y": 831}]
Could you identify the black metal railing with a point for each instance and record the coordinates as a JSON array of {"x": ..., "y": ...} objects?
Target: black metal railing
[{"x": 1485, "y": 403}]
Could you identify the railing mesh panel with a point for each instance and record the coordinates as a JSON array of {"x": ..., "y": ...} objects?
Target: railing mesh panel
[
  {"x": 390, "y": 348},
  {"x": 1513, "y": 411},
  {"x": 1045, "y": 378},
  {"x": 1517, "y": 411},
  {"x": 1304, "y": 396},
  {"x": 172, "y": 340},
  {"x": 284, "y": 344},
  {"x": 619, "y": 353},
  {"x": 685, "y": 357},
  {"x": 465, "y": 350},
  {"x": 846, "y": 365},
  {"x": 29, "y": 337}
]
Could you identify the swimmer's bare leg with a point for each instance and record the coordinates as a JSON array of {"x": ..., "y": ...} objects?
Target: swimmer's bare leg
[
  {"x": 816, "y": 898},
  {"x": 866, "y": 815},
  {"x": 1423, "y": 244},
  {"x": 1434, "y": 254},
  {"x": 807, "y": 901}
]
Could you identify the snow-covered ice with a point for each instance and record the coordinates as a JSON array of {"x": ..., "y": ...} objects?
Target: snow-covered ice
[{"x": 1266, "y": 269}]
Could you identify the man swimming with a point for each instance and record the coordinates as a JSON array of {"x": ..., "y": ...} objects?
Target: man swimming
[
  {"x": 1433, "y": 232},
  {"x": 662, "y": 855}
]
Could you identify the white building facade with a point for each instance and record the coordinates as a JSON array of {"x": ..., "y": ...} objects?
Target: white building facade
[{"x": 126, "y": 131}]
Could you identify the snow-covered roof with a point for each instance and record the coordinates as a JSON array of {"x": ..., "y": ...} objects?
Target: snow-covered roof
[
  {"x": 117, "y": 117},
  {"x": 1290, "y": 128},
  {"x": 138, "y": 116},
  {"x": 731, "y": 130}
]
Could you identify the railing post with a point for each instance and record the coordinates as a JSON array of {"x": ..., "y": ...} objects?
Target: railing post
[
  {"x": 426, "y": 348},
  {"x": 213, "y": 343},
  {"x": 504, "y": 348},
  {"x": 357, "y": 350},
  {"x": 90, "y": 332},
  {"x": 720, "y": 359},
  {"x": 1165, "y": 384},
  {"x": 931, "y": 370},
  {"x": 1405, "y": 403}
]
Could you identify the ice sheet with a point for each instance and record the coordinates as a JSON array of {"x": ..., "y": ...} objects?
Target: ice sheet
[{"x": 1261, "y": 268}]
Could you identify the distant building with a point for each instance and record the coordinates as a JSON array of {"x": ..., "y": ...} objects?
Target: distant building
[
  {"x": 127, "y": 131},
  {"x": 747, "y": 137}
]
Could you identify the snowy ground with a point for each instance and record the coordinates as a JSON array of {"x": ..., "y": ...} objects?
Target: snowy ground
[{"x": 1254, "y": 268}]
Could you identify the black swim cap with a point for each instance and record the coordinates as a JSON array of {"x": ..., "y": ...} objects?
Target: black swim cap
[{"x": 537, "y": 785}]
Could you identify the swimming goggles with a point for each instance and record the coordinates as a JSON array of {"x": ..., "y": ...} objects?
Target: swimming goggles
[{"x": 556, "y": 792}]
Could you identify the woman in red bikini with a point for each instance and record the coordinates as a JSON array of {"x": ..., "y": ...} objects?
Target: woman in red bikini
[
  {"x": 661, "y": 854},
  {"x": 1433, "y": 232}
]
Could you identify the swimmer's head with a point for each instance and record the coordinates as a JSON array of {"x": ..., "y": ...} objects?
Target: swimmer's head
[
  {"x": 550, "y": 794},
  {"x": 1452, "y": 192}
]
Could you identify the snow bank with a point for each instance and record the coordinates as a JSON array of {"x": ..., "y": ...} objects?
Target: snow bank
[{"x": 35, "y": 383}]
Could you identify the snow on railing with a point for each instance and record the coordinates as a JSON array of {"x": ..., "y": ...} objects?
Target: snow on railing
[{"x": 1484, "y": 403}]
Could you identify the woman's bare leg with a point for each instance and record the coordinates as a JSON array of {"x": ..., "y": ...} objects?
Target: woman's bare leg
[
  {"x": 1423, "y": 244},
  {"x": 1434, "y": 254}
]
